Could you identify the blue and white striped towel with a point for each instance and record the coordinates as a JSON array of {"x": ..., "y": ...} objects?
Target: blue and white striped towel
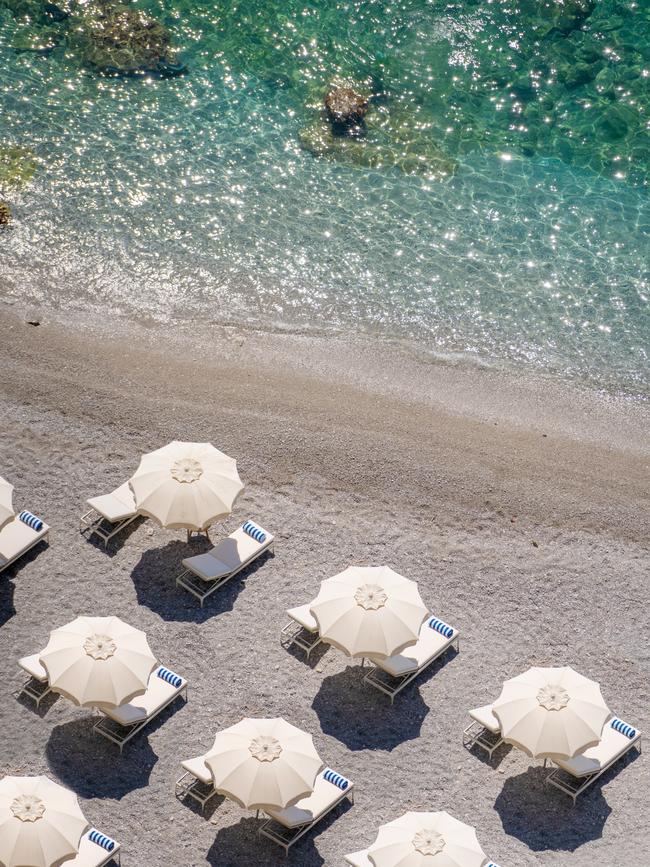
[
  {"x": 441, "y": 627},
  {"x": 31, "y": 520},
  {"x": 622, "y": 727},
  {"x": 253, "y": 530},
  {"x": 100, "y": 839},
  {"x": 169, "y": 676},
  {"x": 337, "y": 779}
]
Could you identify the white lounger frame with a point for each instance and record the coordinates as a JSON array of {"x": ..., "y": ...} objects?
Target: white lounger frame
[
  {"x": 391, "y": 686},
  {"x": 44, "y": 538},
  {"x": 295, "y": 633},
  {"x": 119, "y": 734},
  {"x": 477, "y": 735},
  {"x": 202, "y": 589},
  {"x": 94, "y": 523},
  {"x": 35, "y": 689},
  {"x": 286, "y": 837},
  {"x": 574, "y": 786},
  {"x": 189, "y": 786}
]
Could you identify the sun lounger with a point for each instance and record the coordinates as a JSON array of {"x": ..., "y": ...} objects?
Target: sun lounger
[
  {"x": 95, "y": 850},
  {"x": 37, "y": 686},
  {"x": 359, "y": 859},
  {"x": 196, "y": 781},
  {"x": 573, "y": 776},
  {"x": 109, "y": 514},
  {"x": 120, "y": 724},
  {"x": 392, "y": 673},
  {"x": 205, "y": 573},
  {"x": 484, "y": 731},
  {"x": 20, "y": 535},
  {"x": 301, "y": 630},
  {"x": 287, "y": 826}
]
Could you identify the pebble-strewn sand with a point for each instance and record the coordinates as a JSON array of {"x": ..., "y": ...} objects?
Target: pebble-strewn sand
[{"x": 342, "y": 474}]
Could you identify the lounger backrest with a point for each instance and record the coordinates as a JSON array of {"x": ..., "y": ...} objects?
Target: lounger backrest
[{"x": 102, "y": 840}]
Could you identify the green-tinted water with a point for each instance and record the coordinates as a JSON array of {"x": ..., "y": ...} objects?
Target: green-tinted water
[{"x": 495, "y": 205}]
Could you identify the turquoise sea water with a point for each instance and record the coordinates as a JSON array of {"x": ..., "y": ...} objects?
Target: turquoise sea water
[{"x": 497, "y": 206}]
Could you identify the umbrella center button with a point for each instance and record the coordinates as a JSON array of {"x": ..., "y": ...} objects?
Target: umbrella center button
[
  {"x": 186, "y": 470},
  {"x": 553, "y": 697},
  {"x": 100, "y": 646},
  {"x": 28, "y": 808},
  {"x": 370, "y": 596}
]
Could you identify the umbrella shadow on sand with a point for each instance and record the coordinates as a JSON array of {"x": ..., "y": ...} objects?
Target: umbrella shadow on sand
[
  {"x": 544, "y": 819},
  {"x": 363, "y": 718},
  {"x": 92, "y": 767},
  {"x": 154, "y": 578},
  {"x": 241, "y": 846},
  {"x": 7, "y": 607}
]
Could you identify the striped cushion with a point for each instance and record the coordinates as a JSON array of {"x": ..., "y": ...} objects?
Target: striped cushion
[
  {"x": 31, "y": 520},
  {"x": 169, "y": 676},
  {"x": 441, "y": 627},
  {"x": 332, "y": 777},
  {"x": 254, "y": 531},
  {"x": 101, "y": 840},
  {"x": 622, "y": 727}
]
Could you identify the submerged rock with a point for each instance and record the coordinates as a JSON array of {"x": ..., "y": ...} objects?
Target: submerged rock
[
  {"x": 5, "y": 214},
  {"x": 38, "y": 40},
  {"x": 120, "y": 40},
  {"x": 17, "y": 167},
  {"x": 346, "y": 110},
  {"x": 565, "y": 15}
]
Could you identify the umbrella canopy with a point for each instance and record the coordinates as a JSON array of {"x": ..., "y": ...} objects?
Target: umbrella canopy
[
  {"x": 551, "y": 712},
  {"x": 98, "y": 661},
  {"x": 264, "y": 763},
  {"x": 40, "y": 823},
  {"x": 426, "y": 840},
  {"x": 369, "y": 611},
  {"x": 186, "y": 485},
  {"x": 6, "y": 507}
]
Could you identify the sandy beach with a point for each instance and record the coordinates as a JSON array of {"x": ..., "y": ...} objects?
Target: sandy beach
[{"x": 520, "y": 506}]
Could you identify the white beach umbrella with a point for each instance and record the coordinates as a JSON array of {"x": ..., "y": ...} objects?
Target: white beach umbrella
[
  {"x": 98, "y": 661},
  {"x": 186, "y": 485},
  {"x": 40, "y": 823},
  {"x": 551, "y": 712},
  {"x": 6, "y": 506},
  {"x": 264, "y": 763},
  {"x": 369, "y": 611},
  {"x": 426, "y": 840}
]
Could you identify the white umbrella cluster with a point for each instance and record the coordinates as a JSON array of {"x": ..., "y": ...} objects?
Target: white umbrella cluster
[
  {"x": 551, "y": 712},
  {"x": 95, "y": 661},
  {"x": 41, "y": 823},
  {"x": 369, "y": 611},
  {"x": 186, "y": 485},
  {"x": 423, "y": 839},
  {"x": 264, "y": 763}
]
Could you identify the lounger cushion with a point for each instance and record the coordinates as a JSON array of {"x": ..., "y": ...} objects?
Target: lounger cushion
[
  {"x": 158, "y": 693},
  {"x": 304, "y": 617},
  {"x": 32, "y": 665},
  {"x": 486, "y": 718},
  {"x": 90, "y": 854},
  {"x": 116, "y": 506},
  {"x": 16, "y": 538},
  {"x": 429, "y": 644},
  {"x": 311, "y": 808},
  {"x": 198, "y": 769},
  {"x": 227, "y": 556},
  {"x": 31, "y": 520},
  {"x": 359, "y": 859},
  {"x": 612, "y": 745}
]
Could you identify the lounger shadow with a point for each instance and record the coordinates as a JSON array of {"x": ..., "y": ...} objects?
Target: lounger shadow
[{"x": 240, "y": 845}]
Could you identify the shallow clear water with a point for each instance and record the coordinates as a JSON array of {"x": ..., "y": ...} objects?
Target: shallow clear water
[{"x": 497, "y": 206}]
